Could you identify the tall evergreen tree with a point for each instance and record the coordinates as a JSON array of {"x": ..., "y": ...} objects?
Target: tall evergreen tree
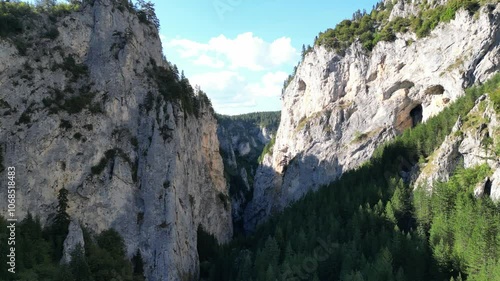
[{"x": 79, "y": 266}]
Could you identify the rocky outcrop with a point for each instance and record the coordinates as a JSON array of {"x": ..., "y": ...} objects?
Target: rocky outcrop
[
  {"x": 495, "y": 185},
  {"x": 406, "y": 9},
  {"x": 443, "y": 161},
  {"x": 473, "y": 142},
  {"x": 73, "y": 239},
  {"x": 339, "y": 108},
  {"x": 83, "y": 112}
]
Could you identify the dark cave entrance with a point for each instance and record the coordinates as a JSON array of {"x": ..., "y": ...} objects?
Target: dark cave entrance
[
  {"x": 416, "y": 115},
  {"x": 487, "y": 187}
]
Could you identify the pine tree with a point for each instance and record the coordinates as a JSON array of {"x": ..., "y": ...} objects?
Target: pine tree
[
  {"x": 260, "y": 265},
  {"x": 64, "y": 273},
  {"x": 147, "y": 10},
  {"x": 383, "y": 265},
  {"x": 271, "y": 251},
  {"x": 422, "y": 204},
  {"x": 79, "y": 266},
  {"x": 45, "y": 4},
  {"x": 400, "y": 275},
  {"x": 245, "y": 272},
  {"x": 75, "y": 2},
  {"x": 389, "y": 213},
  {"x": 138, "y": 265},
  {"x": 62, "y": 216},
  {"x": 59, "y": 228},
  {"x": 270, "y": 276}
]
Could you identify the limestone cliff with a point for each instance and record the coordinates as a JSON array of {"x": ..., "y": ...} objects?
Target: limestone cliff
[
  {"x": 340, "y": 106},
  {"x": 88, "y": 110}
]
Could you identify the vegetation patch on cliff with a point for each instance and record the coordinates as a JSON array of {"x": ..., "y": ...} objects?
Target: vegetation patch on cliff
[
  {"x": 70, "y": 101},
  {"x": 374, "y": 27},
  {"x": 267, "y": 149},
  {"x": 109, "y": 155},
  {"x": 72, "y": 68},
  {"x": 175, "y": 87},
  {"x": 11, "y": 15}
]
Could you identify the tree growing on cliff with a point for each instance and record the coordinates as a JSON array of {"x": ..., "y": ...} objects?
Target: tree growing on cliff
[
  {"x": 79, "y": 266},
  {"x": 59, "y": 229},
  {"x": 45, "y": 4},
  {"x": 62, "y": 217},
  {"x": 146, "y": 13},
  {"x": 138, "y": 265}
]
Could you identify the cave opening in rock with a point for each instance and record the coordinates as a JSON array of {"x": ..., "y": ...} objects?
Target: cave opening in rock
[
  {"x": 302, "y": 85},
  {"x": 487, "y": 187},
  {"x": 416, "y": 115}
]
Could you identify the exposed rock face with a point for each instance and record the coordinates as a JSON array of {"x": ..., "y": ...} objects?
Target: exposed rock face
[
  {"x": 241, "y": 144},
  {"x": 410, "y": 8},
  {"x": 472, "y": 142},
  {"x": 74, "y": 238},
  {"x": 495, "y": 185},
  {"x": 338, "y": 109},
  {"x": 443, "y": 161},
  {"x": 131, "y": 160}
]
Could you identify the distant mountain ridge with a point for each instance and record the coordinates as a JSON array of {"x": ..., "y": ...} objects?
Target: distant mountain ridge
[{"x": 243, "y": 139}]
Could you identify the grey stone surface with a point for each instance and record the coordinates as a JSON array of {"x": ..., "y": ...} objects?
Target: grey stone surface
[
  {"x": 180, "y": 174},
  {"x": 74, "y": 238},
  {"x": 339, "y": 108}
]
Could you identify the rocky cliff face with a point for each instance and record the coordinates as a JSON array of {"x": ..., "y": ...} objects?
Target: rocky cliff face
[
  {"x": 339, "y": 108},
  {"x": 410, "y": 8},
  {"x": 475, "y": 140},
  {"x": 83, "y": 112}
]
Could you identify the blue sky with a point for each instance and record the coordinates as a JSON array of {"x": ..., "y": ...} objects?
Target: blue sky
[{"x": 240, "y": 51}]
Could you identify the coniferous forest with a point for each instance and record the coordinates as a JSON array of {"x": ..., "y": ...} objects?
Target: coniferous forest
[
  {"x": 370, "y": 225},
  {"x": 39, "y": 251}
]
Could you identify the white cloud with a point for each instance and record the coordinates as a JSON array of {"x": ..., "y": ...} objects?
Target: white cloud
[
  {"x": 246, "y": 51},
  {"x": 231, "y": 93},
  {"x": 209, "y": 61},
  {"x": 187, "y": 48},
  {"x": 281, "y": 51},
  {"x": 241, "y": 74},
  {"x": 217, "y": 81},
  {"x": 269, "y": 86}
]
